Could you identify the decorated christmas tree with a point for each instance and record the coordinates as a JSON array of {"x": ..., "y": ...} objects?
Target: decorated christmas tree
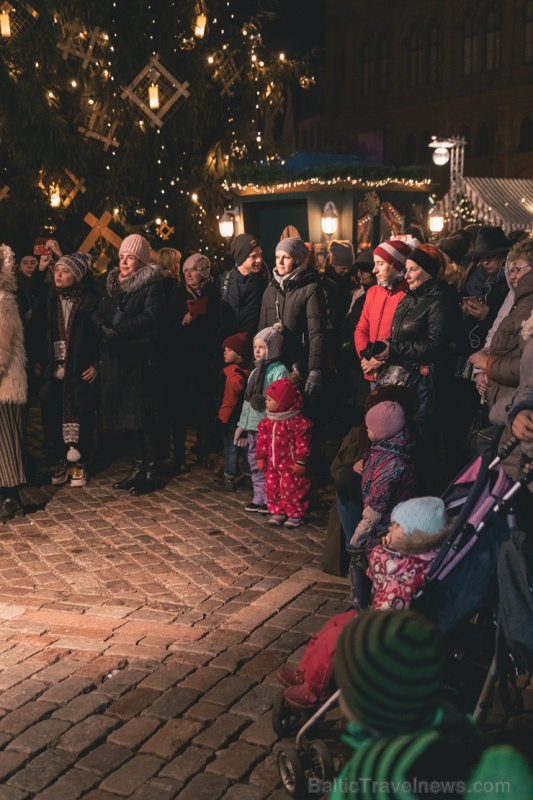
[{"x": 126, "y": 115}]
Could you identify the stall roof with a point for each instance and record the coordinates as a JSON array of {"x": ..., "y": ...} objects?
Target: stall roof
[{"x": 501, "y": 201}]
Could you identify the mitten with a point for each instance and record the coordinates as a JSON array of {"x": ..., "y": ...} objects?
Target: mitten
[
  {"x": 261, "y": 464},
  {"x": 299, "y": 468},
  {"x": 313, "y": 384}
]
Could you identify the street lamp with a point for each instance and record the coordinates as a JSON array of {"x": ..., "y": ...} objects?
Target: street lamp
[
  {"x": 226, "y": 223},
  {"x": 329, "y": 219},
  {"x": 451, "y": 150}
]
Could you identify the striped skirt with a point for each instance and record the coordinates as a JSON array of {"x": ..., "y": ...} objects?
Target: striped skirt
[{"x": 11, "y": 450}]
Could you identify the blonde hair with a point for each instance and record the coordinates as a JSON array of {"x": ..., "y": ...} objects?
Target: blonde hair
[
  {"x": 420, "y": 542},
  {"x": 168, "y": 259}
]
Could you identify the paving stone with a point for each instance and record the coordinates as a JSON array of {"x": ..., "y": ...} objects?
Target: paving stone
[
  {"x": 120, "y": 683},
  {"x": 10, "y": 762},
  {"x": 260, "y": 732},
  {"x": 266, "y": 775},
  {"x": 224, "y": 730},
  {"x": 10, "y": 793},
  {"x": 187, "y": 765},
  {"x": 257, "y": 701},
  {"x": 166, "y": 676},
  {"x": 128, "y": 778},
  {"x": 134, "y": 732},
  {"x": 41, "y": 771},
  {"x": 243, "y": 791},
  {"x": 18, "y": 721},
  {"x": 263, "y": 664},
  {"x": 81, "y": 707},
  {"x": 237, "y": 761},
  {"x": 41, "y": 735},
  {"x": 157, "y": 790},
  {"x": 21, "y": 694},
  {"x": 204, "y": 678},
  {"x": 228, "y": 691},
  {"x": 172, "y": 703},
  {"x": 234, "y": 657},
  {"x": 70, "y": 786},
  {"x": 65, "y": 691},
  {"x": 105, "y": 759},
  {"x": 171, "y": 738},
  {"x": 205, "y": 787},
  {"x": 87, "y": 734},
  {"x": 132, "y": 703},
  {"x": 204, "y": 712}
]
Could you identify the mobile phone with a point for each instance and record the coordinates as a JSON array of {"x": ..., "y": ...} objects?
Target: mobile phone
[{"x": 41, "y": 250}]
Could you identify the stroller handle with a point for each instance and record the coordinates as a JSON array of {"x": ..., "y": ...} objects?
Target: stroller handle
[
  {"x": 525, "y": 478},
  {"x": 506, "y": 451}
]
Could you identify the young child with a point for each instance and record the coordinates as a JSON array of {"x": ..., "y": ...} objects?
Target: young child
[
  {"x": 396, "y": 570},
  {"x": 283, "y": 449},
  {"x": 69, "y": 389},
  {"x": 268, "y": 345},
  {"x": 387, "y": 469},
  {"x": 233, "y": 378}
]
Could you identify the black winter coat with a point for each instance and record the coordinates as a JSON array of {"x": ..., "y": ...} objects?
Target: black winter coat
[
  {"x": 422, "y": 333},
  {"x": 131, "y": 362},
  {"x": 240, "y": 301},
  {"x": 299, "y": 305},
  {"x": 83, "y": 352}
]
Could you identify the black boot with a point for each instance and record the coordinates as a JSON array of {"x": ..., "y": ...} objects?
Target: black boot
[
  {"x": 9, "y": 508},
  {"x": 133, "y": 479},
  {"x": 150, "y": 482}
]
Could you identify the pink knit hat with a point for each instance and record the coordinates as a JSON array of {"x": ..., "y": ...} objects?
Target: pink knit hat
[
  {"x": 385, "y": 419},
  {"x": 394, "y": 252},
  {"x": 136, "y": 245}
]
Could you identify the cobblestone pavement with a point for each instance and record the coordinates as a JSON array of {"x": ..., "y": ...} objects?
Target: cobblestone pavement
[{"x": 139, "y": 639}]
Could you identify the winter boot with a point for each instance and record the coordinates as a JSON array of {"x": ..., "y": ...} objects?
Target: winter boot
[{"x": 133, "y": 478}]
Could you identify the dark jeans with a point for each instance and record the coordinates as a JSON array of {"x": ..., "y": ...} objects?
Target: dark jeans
[
  {"x": 231, "y": 451},
  {"x": 350, "y": 515}
]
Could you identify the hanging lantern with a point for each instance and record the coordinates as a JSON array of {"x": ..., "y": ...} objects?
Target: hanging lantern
[
  {"x": 153, "y": 96},
  {"x": 55, "y": 197},
  {"x": 5, "y": 25},
  {"x": 199, "y": 25}
]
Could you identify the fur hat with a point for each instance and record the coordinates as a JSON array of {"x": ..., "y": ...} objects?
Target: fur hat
[
  {"x": 273, "y": 340},
  {"x": 426, "y": 515},
  {"x": 341, "y": 253},
  {"x": 136, "y": 245},
  {"x": 198, "y": 262},
  {"x": 394, "y": 252},
  {"x": 242, "y": 246},
  {"x": 240, "y": 344},
  {"x": 295, "y": 248},
  {"x": 285, "y": 393},
  {"x": 389, "y": 668},
  {"x": 78, "y": 263},
  {"x": 385, "y": 419}
]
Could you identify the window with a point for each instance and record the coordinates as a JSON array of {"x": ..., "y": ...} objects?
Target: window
[
  {"x": 383, "y": 66},
  {"x": 466, "y": 133},
  {"x": 424, "y": 150},
  {"x": 493, "y": 42},
  {"x": 409, "y": 149},
  {"x": 483, "y": 140},
  {"x": 470, "y": 46},
  {"x": 434, "y": 54},
  {"x": 415, "y": 58},
  {"x": 528, "y": 34},
  {"x": 525, "y": 144},
  {"x": 368, "y": 70}
]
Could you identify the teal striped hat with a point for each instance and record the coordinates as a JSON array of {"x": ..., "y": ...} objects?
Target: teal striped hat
[{"x": 389, "y": 667}]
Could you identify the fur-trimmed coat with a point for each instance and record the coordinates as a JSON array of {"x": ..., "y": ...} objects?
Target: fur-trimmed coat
[
  {"x": 13, "y": 381},
  {"x": 131, "y": 364}
]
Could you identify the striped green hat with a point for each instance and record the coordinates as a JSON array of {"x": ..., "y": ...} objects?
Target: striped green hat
[{"x": 389, "y": 667}]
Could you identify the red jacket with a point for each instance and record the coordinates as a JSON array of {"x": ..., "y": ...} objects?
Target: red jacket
[
  {"x": 235, "y": 379},
  {"x": 376, "y": 318}
]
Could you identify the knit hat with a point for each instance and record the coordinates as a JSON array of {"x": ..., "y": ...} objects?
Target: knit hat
[
  {"x": 198, "y": 262},
  {"x": 454, "y": 247},
  {"x": 78, "y": 263},
  {"x": 394, "y": 252},
  {"x": 365, "y": 260},
  {"x": 385, "y": 419},
  {"x": 426, "y": 261},
  {"x": 389, "y": 668},
  {"x": 138, "y": 246},
  {"x": 423, "y": 514},
  {"x": 242, "y": 246},
  {"x": 341, "y": 252},
  {"x": 285, "y": 393},
  {"x": 295, "y": 248},
  {"x": 240, "y": 344},
  {"x": 273, "y": 340}
]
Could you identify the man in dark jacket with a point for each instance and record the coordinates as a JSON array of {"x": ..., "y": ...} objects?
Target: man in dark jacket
[{"x": 241, "y": 288}]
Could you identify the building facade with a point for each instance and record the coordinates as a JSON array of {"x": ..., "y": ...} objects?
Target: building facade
[{"x": 398, "y": 73}]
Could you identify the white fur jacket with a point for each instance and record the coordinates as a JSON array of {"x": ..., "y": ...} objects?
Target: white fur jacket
[{"x": 13, "y": 381}]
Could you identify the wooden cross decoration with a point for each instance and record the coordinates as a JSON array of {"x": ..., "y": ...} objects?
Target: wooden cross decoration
[
  {"x": 4, "y": 193},
  {"x": 21, "y": 17},
  {"x": 171, "y": 92},
  {"x": 165, "y": 231},
  {"x": 227, "y": 73},
  {"x": 99, "y": 128},
  {"x": 77, "y": 38},
  {"x": 102, "y": 262},
  {"x": 99, "y": 231}
]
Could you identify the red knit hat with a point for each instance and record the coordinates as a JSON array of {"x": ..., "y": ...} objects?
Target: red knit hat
[
  {"x": 240, "y": 343},
  {"x": 394, "y": 252},
  {"x": 286, "y": 395}
]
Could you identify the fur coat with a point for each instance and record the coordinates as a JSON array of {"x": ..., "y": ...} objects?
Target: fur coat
[{"x": 13, "y": 381}]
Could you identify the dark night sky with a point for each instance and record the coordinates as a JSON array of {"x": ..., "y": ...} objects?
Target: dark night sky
[{"x": 300, "y": 26}]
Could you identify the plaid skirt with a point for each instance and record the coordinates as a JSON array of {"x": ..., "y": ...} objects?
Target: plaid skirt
[{"x": 11, "y": 448}]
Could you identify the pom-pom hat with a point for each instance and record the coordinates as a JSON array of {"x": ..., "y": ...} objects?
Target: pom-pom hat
[{"x": 394, "y": 252}]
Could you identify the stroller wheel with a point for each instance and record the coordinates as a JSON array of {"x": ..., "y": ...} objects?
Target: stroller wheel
[
  {"x": 281, "y": 716},
  {"x": 291, "y": 772},
  {"x": 320, "y": 761}
]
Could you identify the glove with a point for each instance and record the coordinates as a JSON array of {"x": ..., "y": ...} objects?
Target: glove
[
  {"x": 299, "y": 469},
  {"x": 108, "y": 332},
  {"x": 239, "y": 440},
  {"x": 261, "y": 464},
  {"x": 313, "y": 384}
]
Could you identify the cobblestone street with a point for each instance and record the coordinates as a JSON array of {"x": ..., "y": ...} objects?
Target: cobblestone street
[{"x": 139, "y": 639}]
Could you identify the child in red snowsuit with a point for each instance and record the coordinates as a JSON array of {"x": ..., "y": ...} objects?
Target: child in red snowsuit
[
  {"x": 283, "y": 449},
  {"x": 397, "y": 569}
]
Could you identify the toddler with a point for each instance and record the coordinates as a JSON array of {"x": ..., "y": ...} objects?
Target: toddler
[
  {"x": 396, "y": 570},
  {"x": 283, "y": 449},
  {"x": 387, "y": 469},
  {"x": 233, "y": 379},
  {"x": 268, "y": 368}
]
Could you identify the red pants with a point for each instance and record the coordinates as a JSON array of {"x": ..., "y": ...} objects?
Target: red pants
[
  {"x": 286, "y": 493},
  {"x": 317, "y": 660}
]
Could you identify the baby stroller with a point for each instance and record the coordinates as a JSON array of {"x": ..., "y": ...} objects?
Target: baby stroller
[{"x": 461, "y": 584}]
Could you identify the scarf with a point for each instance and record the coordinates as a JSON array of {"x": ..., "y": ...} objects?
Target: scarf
[
  {"x": 279, "y": 416},
  {"x": 257, "y": 378},
  {"x": 479, "y": 282},
  {"x": 63, "y": 369}
]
